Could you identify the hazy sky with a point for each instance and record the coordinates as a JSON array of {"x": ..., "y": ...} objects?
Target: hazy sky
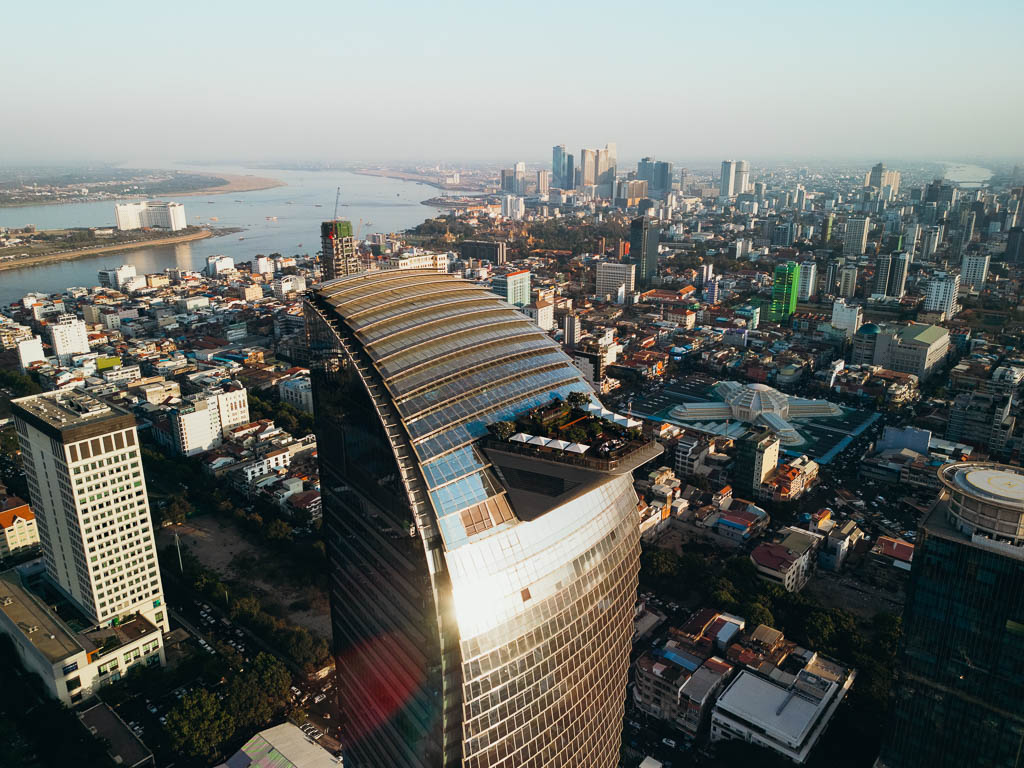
[{"x": 377, "y": 80}]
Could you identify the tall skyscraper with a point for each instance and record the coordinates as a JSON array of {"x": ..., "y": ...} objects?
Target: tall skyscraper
[
  {"x": 727, "y": 185},
  {"x": 88, "y": 492},
  {"x": 880, "y": 178},
  {"x": 959, "y": 685},
  {"x": 930, "y": 241},
  {"x": 643, "y": 249},
  {"x": 519, "y": 172},
  {"x": 1015, "y": 246},
  {"x": 974, "y": 270},
  {"x": 832, "y": 274},
  {"x": 883, "y": 264},
  {"x": 558, "y": 167},
  {"x": 898, "y": 271},
  {"x": 481, "y": 593},
  {"x": 848, "y": 281},
  {"x": 543, "y": 182},
  {"x": 784, "y": 291},
  {"x": 657, "y": 174},
  {"x": 741, "y": 177},
  {"x": 570, "y": 172},
  {"x": 942, "y": 294},
  {"x": 513, "y": 287},
  {"x": 338, "y": 255},
  {"x": 588, "y": 167},
  {"x": 808, "y": 285},
  {"x": 855, "y": 241}
]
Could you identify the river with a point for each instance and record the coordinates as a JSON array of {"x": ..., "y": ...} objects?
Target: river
[
  {"x": 279, "y": 220},
  {"x": 966, "y": 175}
]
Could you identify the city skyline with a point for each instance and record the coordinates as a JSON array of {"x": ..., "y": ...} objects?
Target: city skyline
[{"x": 221, "y": 99}]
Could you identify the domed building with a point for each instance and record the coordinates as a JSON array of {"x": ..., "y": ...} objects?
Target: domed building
[{"x": 756, "y": 404}]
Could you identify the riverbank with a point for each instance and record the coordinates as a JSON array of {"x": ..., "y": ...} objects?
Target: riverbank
[
  {"x": 81, "y": 253},
  {"x": 415, "y": 177},
  {"x": 234, "y": 184}
]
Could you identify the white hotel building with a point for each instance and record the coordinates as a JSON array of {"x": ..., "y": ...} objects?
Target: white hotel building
[
  {"x": 150, "y": 213},
  {"x": 89, "y": 495}
]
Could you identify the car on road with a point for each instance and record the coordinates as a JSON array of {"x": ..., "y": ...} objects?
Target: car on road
[
  {"x": 318, "y": 698},
  {"x": 668, "y": 742}
]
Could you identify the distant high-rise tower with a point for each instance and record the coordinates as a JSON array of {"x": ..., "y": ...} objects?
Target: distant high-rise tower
[
  {"x": 848, "y": 281},
  {"x": 942, "y": 294},
  {"x": 1015, "y": 246},
  {"x": 832, "y": 275},
  {"x": 959, "y": 685},
  {"x": 643, "y": 249},
  {"x": 880, "y": 178},
  {"x": 898, "y": 270},
  {"x": 558, "y": 167},
  {"x": 481, "y": 593},
  {"x": 338, "y": 256},
  {"x": 855, "y": 241},
  {"x": 588, "y": 167},
  {"x": 808, "y": 285},
  {"x": 974, "y": 270},
  {"x": 784, "y": 291},
  {"x": 570, "y": 172},
  {"x": 543, "y": 182},
  {"x": 727, "y": 185},
  {"x": 741, "y": 177}
]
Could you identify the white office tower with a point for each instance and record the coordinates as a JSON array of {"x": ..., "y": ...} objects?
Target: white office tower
[
  {"x": 150, "y": 213},
  {"x": 855, "y": 241},
  {"x": 116, "y": 277},
  {"x": 88, "y": 492},
  {"x": 727, "y": 186},
  {"x": 573, "y": 330},
  {"x": 808, "y": 283},
  {"x": 613, "y": 276},
  {"x": 846, "y": 317},
  {"x": 974, "y": 270},
  {"x": 741, "y": 177},
  {"x": 30, "y": 351},
  {"x": 264, "y": 265},
  {"x": 67, "y": 337},
  {"x": 513, "y": 207},
  {"x": 911, "y": 237},
  {"x": 943, "y": 291},
  {"x": 930, "y": 242}
]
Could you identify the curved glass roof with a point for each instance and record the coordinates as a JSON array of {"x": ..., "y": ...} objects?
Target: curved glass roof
[{"x": 454, "y": 358}]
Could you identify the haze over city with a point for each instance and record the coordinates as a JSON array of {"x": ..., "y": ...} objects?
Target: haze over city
[
  {"x": 533, "y": 385},
  {"x": 471, "y": 82}
]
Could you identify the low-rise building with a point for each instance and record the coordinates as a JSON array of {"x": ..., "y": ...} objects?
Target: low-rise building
[
  {"x": 790, "y": 559},
  {"x": 18, "y": 531}
]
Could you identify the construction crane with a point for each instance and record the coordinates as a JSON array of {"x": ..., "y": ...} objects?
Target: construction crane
[{"x": 337, "y": 199}]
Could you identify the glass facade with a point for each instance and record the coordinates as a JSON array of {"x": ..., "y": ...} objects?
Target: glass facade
[
  {"x": 960, "y": 692},
  {"x": 464, "y": 635}
]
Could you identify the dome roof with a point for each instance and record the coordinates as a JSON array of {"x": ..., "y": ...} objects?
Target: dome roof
[
  {"x": 751, "y": 400},
  {"x": 869, "y": 329}
]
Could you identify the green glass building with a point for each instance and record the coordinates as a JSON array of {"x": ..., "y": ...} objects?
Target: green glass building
[
  {"x": 784, "y": 290},
  {"x": 960, "y": 689}
]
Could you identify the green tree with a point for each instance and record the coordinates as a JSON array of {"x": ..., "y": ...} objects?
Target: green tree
[
  {"x": 199, "y": 725},
  {"x": 578, "y": 400},
  {"x": 278, "y": 530},
  {"x": 503, "y": 430}
]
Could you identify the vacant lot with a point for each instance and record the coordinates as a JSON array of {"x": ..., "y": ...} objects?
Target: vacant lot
[{"x": 220, "y": 546}]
